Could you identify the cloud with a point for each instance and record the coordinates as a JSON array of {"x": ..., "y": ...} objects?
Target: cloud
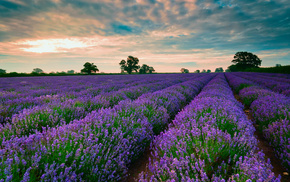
[
  {"x": 121, "y": 29},
  {"x": 52, "y": 45},
  {"x": 200, "y": 33},
  {"x": 186, "y": 64}
]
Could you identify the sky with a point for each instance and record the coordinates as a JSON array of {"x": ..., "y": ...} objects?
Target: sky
[{"x": 61, "y": 35}]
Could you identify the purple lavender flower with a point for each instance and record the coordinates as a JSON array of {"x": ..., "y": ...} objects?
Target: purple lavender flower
[{"x": 211, "y": 139}]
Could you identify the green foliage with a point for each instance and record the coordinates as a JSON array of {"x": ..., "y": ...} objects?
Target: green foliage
[
  {"x": 2, "y": 71},
  {"x": 89, "y": 68},
  {"x": 37, "y": 70},
  {"x": 130, "y": 65},
  {"x": 281, "y": 69},
  {"x": 243, "y": 61},
  {"x": 241, "y": 86},
  {"x": 184, "y": 70},
  {"x": 146, "y": 69},
  {"x": 233, "y": 68},
  {"x": 151, "y": 69},
  {"x": 219, "y": 70},
  {"x": 246, "y": 59}
]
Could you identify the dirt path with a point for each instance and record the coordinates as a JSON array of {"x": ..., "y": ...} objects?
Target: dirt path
[
  {"x": 139, "y": 166},
  {"x": 263, "y": 144}
]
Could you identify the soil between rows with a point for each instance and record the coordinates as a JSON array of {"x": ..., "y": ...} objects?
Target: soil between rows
[
  {"x": 138, "y": 166},
  {"x": 141, "y": 165}
]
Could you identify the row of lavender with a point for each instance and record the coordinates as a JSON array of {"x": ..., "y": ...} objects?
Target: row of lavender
[
  {"x": 98, "y": 147},
  {"x": 271, "y": 112},
  {"x": 211, "y": 139},
  {"x": 276, "y": 82},
  {"x": 59, "y": 111},
  {"x": 17, "y": 96},
  {"x": 15, "y": 88},
  {"x": 36, "y": 86},
  {"x": 55, "y": 91}
]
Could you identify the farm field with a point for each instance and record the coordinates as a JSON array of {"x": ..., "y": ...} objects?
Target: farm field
[{"x": 93, "y": 128}]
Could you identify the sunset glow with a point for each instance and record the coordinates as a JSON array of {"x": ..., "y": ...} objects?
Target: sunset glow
[
  {"x": 60, "y": 35},
  {"x": 52, "y": 45}
]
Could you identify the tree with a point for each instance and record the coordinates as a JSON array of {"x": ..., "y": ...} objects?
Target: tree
[
  {"x": 219, "y": 70},
  {"x": 144, "y": 69},
  {"x": 203, "y": 71},
  {"x": 70, "y": 71},
  {"x": 130, "y": 65},
  {"x": 37, "y": 70},
  {"x": 245, "y": 60},
  {"x": 151, "y": 69},
  {"x": 197, "y": 71},
  {"x": 89, "y": 68},
  {"x": 233, "y": 68},
  {"x": 2, "y": 71},
  {"x": 184, "y": 70},
  {"x": 208, "y": 71}
]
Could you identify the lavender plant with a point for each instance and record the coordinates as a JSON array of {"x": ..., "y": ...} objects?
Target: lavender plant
[
  {"x": 97, "y": 148},
  {"x": 277, "y": 82},
  {"x": 211, "y": 139},
  {"x": 271, "y": 113}
]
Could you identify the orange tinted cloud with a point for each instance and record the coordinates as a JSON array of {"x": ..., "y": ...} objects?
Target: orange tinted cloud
[{"x": 162, "y": 33}]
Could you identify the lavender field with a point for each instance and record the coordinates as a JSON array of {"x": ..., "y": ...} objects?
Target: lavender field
[{"x": 95, "y": 128}]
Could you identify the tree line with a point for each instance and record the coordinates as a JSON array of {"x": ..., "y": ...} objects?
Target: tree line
[
  {"x": 243, "y": 61},
  {"x": 130, "y": 65}
]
